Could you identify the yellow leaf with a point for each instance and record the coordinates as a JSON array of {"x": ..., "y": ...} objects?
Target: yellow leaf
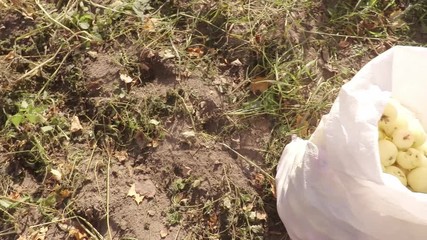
[
  {"x": 56, "y": 174},
  {"x": 121, "y": 156},
  {"x": 136, "y": 196},
  {"x": 259, "y": 85},
  {"x": 77, "y": 234},
  {"x": 261, "y": 215},
  {"x": 132, "y": 191},
  {"x": 195, "y": 52}
]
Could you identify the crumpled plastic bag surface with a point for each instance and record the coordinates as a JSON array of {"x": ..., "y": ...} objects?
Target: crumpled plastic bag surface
[{"x": 331, "y": 186}]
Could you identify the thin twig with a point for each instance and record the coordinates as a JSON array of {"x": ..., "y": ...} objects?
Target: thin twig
[
  {"x": 342, "y": 35},
  {"x": 107, "y": 149},
  {"x": 32, "y": 71}
]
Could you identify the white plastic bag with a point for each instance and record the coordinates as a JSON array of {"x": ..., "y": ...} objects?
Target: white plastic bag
[{"x": 332, "y": 186}]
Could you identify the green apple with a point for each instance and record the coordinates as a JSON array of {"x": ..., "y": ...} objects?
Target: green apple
[
  {"x": 417, "y": 179},
  {"x": 397, "y": 172},
  {"x": 390, "y": 127},
  {"x": 409, "y": 159},
  {"x": 388, "y": 152},
  {"x": 381, "y": 135},
  {"x": 417, "y": 130},
  {"x": 403, "y": 138},
  {"x": 390, "y": 111}
]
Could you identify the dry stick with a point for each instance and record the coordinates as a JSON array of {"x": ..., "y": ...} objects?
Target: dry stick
[
  {"x": 56, "y": 71},
  {"x": 108, "y": 190},
  {"x": 32, "y": 71},
  {"x": 250, "y": 162}
]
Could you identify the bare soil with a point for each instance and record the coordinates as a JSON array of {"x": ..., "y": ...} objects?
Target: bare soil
[{"x": 153, "y": 163}]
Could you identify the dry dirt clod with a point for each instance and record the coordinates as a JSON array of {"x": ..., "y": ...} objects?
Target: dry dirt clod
[{"x": 75, "y": 125}]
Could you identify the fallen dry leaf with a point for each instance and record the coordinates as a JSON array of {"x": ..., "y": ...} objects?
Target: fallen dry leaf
[
  {"x": 136, "y": 196},
  {"x": 248, "y": 207},
  {"x": 40, "y": 234},
  {"x": 150, "y": 24},
  {"x": 213, "y": 221},
  {"x": 93, "y": 54},
  {"x": 188, "y": 134},
  {"x": 302, "y": 125},
  {"x": 195, "y": 52},
  {"x": 236, "y": 62},
  {"x": 153, "y": 144},
  {"x": 65, "y": 193},
  {"x": 56, "y": 174},
  {"x": 259, "y": 180},
  {"x": 259, "y": 85},
  {"x": 166, "y": 54},
  {"x": 75, "y": 124},
  {"x": 15, "y": 195},
  {"x": 261, "y": 215},
  {"x": 77, "y": 234},
  {"x": 154, "y": 122},
  {"x": 121, "y": 155},
  {"x": 11, "y": 55},
  {"x": 125, "y": 78},
  {"x": 343, "y": 44}
]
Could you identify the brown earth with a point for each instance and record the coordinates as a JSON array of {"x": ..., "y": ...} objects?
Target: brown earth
[{"x": 192, "y": 152}]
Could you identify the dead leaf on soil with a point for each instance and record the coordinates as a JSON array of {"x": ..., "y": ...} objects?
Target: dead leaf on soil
[
  {"x": 302, "y": 125},
  {"x": 259, "y": 85},
  {"x": 236, "y": 62},
  {"x": 75, "y": 124},
  {"x": 93, "y": 54},
  {"x": 56, "y": 174},
  {"x": 259, "y": 180},
  {"x": 77, "y": 234},
  {"x": 15, "y": 195},
  {"x": 166, "y": 54},
  {"x": 343, "y": 44},
  {"x": 125, "y": 78},
  {"x": 132, "y": 193},
  {"x": 195, "y": 52},
  {"x": 150, "y": 24},
  {"x": 10, "y": 56},
  {"x": 188, "y": 134},
  {"x": 248, "y": 207},
  {"x": 121, "y": 155},
  {"x": 154, "y": 122},
  {"x": 227, "y": 202},
  {"x": 213, "y": 221},
  {"x": 40, "y": 234},
  {"x": 261, "y": 215},
  {"x": 153, "y": 144},
  {"x": 65, "y": 193}
]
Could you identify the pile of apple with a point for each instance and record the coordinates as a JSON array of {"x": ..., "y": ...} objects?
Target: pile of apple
[{"x": 403, "y": 147}]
